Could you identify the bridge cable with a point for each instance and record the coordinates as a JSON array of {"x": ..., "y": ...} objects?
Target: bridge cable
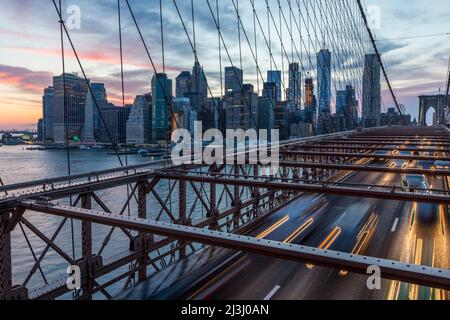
[
  {"x": 90, "y": 91},
  {"x": 258, "y": 89},
  {"x": 66, "y": 119},
  {"x": 123, "y": 91},
  {"x": 220, "y": 56},
  {"x": 374, "y": 44},
  {"x": 256, "y": 60},
  {"x": 159, "y": 81},
  {"x": 448, "y": 87},
  {"x": 271, "y": 18},
  {"x": 272, "y": 60},
  {"x": 346, "y": 74},
  {"x": 197, "y": 60}
]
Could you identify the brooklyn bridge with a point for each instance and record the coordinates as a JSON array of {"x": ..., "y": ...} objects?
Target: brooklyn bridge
[{"x": 351, "y": 195}]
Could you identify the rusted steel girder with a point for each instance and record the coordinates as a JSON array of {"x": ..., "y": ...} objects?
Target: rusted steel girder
[
  {"x": 386, "y": 193},
  {"x": 353, "y": 147},
  {"x": 406, "y": 138},
  {"x": 362, "y": 156},
  {"x": 394, "y": 270},
  {"x": 59, "y": 288},
  {"x": 350, "y": 167},
  {"x": 86, "y": 247},
  {"x": 383, "y": 142},
  {"x": 5, "y": 258}
]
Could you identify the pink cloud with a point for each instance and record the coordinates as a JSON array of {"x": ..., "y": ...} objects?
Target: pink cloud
[
  {"x": 109, "y": 57},
  {"x": 26, "y": 79}
]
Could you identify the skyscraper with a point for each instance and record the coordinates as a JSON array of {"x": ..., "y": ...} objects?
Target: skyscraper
[
  {"x": 270, "y": 90},
  {"x": 324, "y": 80},
  {"x": 183, "y": 84},
  {"x": 275, "y": 76},
  {"x": 309, "y": 93},
  {"x": 161, "y": 101},
  {"x": 211, "y": 113},
  {"x": 199, "y": 86},
  {"x": 295, "y": 85},
  {"x": 47, "y": 111},
  {"x": 234, "y": 79},
  {"x": 75, "y": 94},
  {"x": 114, "y": 132},
  {"x": 92, "y": 119},
  {"x": 40, "y": 130},
  {"x": 347, "y": 107},
  {"x": 310, "y": 101},
  {"x": 241, "y": 108},
  {"x": 371, "y": 91},
  {"x": 184, "y": 115},
  {"x": 266, "y": 113},
  {"x": 340, "y": 101},
  {"x": 139, "y": 123}
]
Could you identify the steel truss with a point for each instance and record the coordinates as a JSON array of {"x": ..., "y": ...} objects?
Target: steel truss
[
  {"x": 421, "y": 275},
  {"x": 230, "y": 199}
]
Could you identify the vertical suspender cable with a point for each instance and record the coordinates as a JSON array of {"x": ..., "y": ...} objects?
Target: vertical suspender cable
[
  {"x": 123, "y": 91},
  {"x": 163, "y": 55},
  {"x": 377, "y": 52},
  {"x": 66, "y": 120},
  {"x": 256, "y": 53},
  {"x": 162, "y": 36},
  {"x": 220, "y": 114},
  {"x": 240, "y": 57},
  {"x": 283, "y": 75},
  {"x": 269, "y": 35}
]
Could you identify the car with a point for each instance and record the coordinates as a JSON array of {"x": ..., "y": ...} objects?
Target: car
[
  {"x": 400, "y": 163},
  {"x": 427, "y": 165},
  {"x": 415, "y": 183},
  {"x": 441, "y": 165}
]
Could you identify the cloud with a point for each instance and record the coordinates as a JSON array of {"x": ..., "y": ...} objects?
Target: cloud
[
  {"x": 25, "y": 79},
  {"x": 413, "y": 65}
]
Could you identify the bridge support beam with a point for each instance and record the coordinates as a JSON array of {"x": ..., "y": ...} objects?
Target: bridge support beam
[
  {"x": 256, "y": 194},
  {"x": 392, "y": 270},
  {"x": 237, "y": 200},
  {"x": 142, "y": 214},
  {"x": 86, "y": 247},
  {"x": 214, "y": 211},
  {"x": 182, "y": 215},
  {"x": 5, "y": 258}
]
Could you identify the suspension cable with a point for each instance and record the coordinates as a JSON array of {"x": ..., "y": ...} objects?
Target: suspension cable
[
  {"x": 377, "y": 52},
  {"x": 226, "y": 50},
  {"x": 161, "y": 85},
  {"x": 119, "y": 15},
  {"x": 66, "y": 117}
]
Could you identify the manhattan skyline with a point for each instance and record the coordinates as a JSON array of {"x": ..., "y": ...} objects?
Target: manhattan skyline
[{"x": 30, "y": 55}]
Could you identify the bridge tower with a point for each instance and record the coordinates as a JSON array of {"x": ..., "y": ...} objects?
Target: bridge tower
[{"x": 432, "y": 101}]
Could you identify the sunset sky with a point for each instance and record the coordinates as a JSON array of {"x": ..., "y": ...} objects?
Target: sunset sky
[{"x": 30, "y": 49}]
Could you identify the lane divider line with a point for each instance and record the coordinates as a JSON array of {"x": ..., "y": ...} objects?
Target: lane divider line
[
  {"x": 394, "y": 227},
  {"x": 272, "y": 293}
]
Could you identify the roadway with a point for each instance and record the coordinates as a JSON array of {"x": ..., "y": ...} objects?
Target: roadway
[
  {"x": 396, "y": 230},
  {"x": 376, "y": 228}
]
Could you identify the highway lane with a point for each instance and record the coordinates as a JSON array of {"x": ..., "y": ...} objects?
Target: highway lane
[
  {"x": 426, "y": 242},
  {"x": 371, "y": 227},
  {"x": 295, "y": 220},
  {"x": 259, "y": 276},
  {"x": 214, "y": 265},
  {"x": 388, "y": 230}
]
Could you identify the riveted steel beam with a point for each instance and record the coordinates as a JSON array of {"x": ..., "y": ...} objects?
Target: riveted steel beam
[{"x": 394, "y": 270}]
